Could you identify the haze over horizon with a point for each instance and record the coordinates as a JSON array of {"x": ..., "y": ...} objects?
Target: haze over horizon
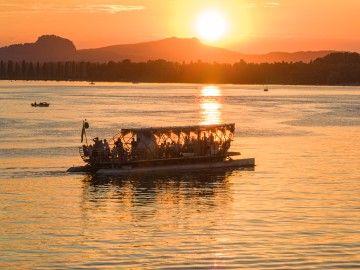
[{"x": 252, "y": 27}]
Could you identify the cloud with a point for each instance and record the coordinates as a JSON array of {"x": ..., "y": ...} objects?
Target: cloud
[
  {"x": 260, "y": 5},
  {"x": 88, "y": 8},
  {"x": 106, "y": 8},
  {"x": 249, "y": 5},
  {"x": 272, "y": 4}
]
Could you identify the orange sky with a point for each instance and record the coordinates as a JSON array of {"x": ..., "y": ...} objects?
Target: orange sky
[{"x": 253, "y": 26}]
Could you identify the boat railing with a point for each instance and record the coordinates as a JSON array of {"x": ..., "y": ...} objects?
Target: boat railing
[
  {"x": 94, "y": 155},
  {"x": 104, "y": 157},
  {"x": 83, "y": 155}
]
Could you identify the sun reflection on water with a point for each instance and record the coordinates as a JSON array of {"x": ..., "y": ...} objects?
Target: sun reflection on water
[
  {"x": 210, "y": 104},
  {"x": 210, "y": 91}
]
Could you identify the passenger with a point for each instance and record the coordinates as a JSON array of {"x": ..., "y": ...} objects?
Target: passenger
[
  {"x": 96, "y": 147},
  {"x": 120, "y": 149},
  {"x": 197, "y": 147},
  {"x": 192, "y": 145},
  {"x": 175, "y": 149},
  {"x": 106, "y": 147},
  {"x": 167, "y": 150},
  {"x": 184, "y": 148},
  {"x": 202, "y": 146},
  {"x": 140, "y": 150},
  {"x": 161, "y": 150},
  {"x": 226, "y": 146},
  {"x": 90, "y": 148},
  {"x": 171, "y": 149},
  {"x": 122, "y": 154},
  {"x": 100, "y": 148},
  {"x": 212, "y": 139},
  {"x": 187, "y": 140},
  {"x": 118, "y": 143},
  {"x": 96, "y": 142},
  {"x": 114, "y": 152},
  {"x": 207, "y": 146},
  {"x": 214, "y": 148},
  {"x": 85, "y": 150},
  {"x": 133, "y": 148}
]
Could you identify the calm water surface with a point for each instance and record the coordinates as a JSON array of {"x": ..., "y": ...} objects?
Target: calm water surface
[{"x": 299, "y": 208}]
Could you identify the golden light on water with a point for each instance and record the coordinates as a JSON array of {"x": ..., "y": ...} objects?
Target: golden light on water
[
  {"x": 301, "y": 204},
  {"x": 210, "y": 91},
  {"x": 210, "y": 104},
  {"x": 210, "y": 107}
]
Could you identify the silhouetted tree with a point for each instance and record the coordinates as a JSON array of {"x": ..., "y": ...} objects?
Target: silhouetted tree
[{"x": 335, "y": 68}]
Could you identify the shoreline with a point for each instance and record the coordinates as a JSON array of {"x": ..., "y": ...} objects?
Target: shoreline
[{"x": 151, "y": 82}]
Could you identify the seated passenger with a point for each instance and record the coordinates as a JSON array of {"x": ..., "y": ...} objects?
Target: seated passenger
[
  {"x": 90, "y": 148},
  {"x": 161, "y": 151},
  {"x": 85, "y": 150},
  {"x": 172, "y": 148},
  {"x": 133, "y": 148},
  {"x": 167, "y": 150},
  {"x": 226, "y": 146},
  {"x": 114, "y": 152}
]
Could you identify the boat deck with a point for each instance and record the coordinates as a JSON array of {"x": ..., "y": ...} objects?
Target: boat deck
[
  {"x": 103, "y": 161},
  {"x": 239, "y": 163}
]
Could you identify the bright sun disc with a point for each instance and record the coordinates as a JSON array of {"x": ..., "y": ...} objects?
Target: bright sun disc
[{"x": 211, "y": 25}]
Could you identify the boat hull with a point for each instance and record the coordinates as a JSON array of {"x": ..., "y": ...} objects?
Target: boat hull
[
  {"x": 248, "y": 162},
  {"x": 81, "y": 169},
  {"x": 234, "y": 163},
  {"x": 39, "y": 105}
]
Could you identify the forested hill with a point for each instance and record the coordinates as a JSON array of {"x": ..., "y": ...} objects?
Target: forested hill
[
  {"x": 333, "y": 69},
  {"x": 339, "y": 58},
  {"x": 50, "y": 48}
]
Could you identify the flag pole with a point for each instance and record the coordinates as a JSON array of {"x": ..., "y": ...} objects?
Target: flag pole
[{"x": 85, "y": 134}]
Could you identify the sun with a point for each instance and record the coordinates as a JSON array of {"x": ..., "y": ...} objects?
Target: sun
[{"x": 211, "y": 25}]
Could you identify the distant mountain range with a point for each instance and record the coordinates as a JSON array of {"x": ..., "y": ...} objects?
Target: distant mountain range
[{"x": 54, "y": 48}]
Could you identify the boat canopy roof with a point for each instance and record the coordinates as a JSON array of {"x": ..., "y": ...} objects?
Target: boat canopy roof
[{"x": 174, "y": 134}]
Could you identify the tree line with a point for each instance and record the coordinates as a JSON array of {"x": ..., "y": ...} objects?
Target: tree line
[{"x": 333, "y": 69}]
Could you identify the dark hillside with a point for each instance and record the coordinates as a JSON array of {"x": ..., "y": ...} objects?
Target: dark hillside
[
  {"x": 46, "y": 48},
  {"x": 53, "y": 48}
]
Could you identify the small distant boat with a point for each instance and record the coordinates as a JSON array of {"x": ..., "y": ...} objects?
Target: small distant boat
[
  {"x": 40, "y": 104},
  {"x": 266, "y": 89},
  {"x": 91, "y": 83}
]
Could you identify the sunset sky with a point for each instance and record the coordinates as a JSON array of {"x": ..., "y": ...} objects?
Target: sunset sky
[{"x": 247, "y": 26}]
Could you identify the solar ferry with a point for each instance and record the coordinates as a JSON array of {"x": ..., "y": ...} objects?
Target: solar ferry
[{"x": 174, "y": 148}]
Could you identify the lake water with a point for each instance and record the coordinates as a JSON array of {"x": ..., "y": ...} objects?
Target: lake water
[{"x": 299, "y": 208}]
